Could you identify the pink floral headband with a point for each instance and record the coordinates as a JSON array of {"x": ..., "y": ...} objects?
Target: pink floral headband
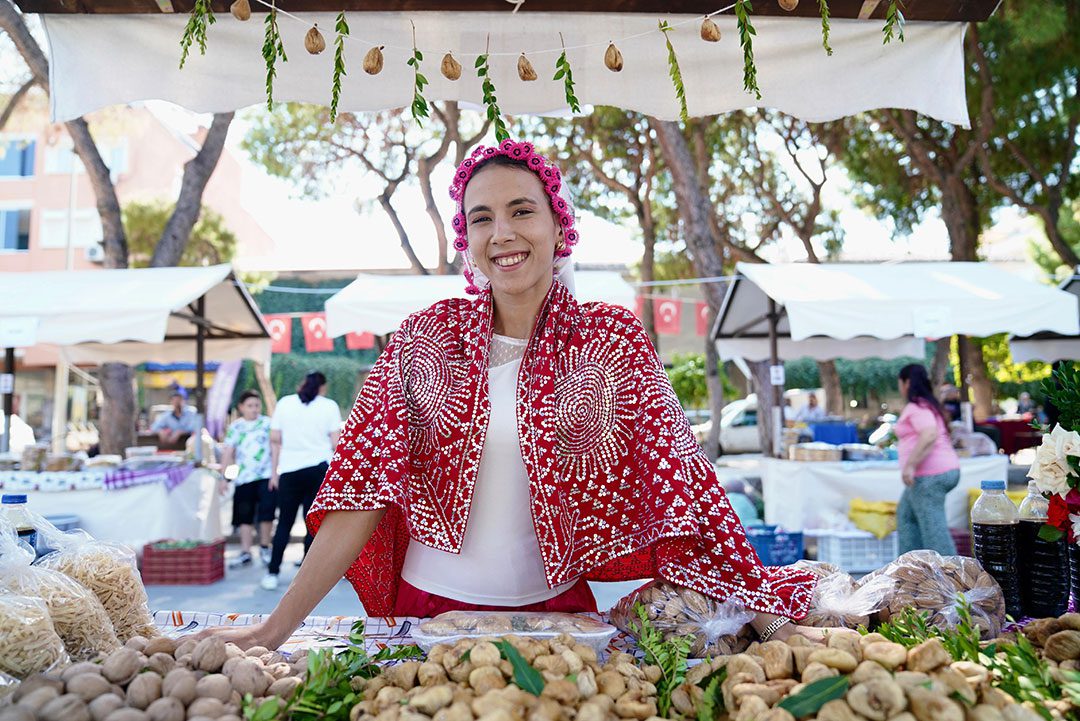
[{"x": 548, "y": 174}]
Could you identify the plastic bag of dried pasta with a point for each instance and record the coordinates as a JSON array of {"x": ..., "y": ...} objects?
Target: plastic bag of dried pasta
[
  {"x": 77, "y": 614},
  {"x": 108, "y": 569},
  {"x": 718, "y": 628},
  {"x": 941, "y": 585},
  {"x": 28, "y": 640}
]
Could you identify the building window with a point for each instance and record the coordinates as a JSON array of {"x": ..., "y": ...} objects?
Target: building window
[
  {"x": 61, "y": 158},
  {"x": 85, "y": 229},
  {"x": 17, "y": 158},
  {"x": 15, "y": 229}
]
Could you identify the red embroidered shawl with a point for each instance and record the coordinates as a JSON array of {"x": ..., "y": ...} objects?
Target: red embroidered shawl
[{"x": 620, "y": 488}]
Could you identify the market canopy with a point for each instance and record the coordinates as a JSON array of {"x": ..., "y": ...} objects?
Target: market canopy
[
  {"x": 850, "y": 310},
  {"x": 129, "y": 50},
  {"x": 133, "y": 315},
  {"x": 1049, "y": 346},
  {"x": 379, "y": 303}
]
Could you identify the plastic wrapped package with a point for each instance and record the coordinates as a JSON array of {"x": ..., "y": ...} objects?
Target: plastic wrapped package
[
  {"x": 29, "y": 643},
  {"x": 77, "y": 615},
  {"x": 718, "y": 628},
  {"x": 841, "y": 603},
  {"x": 453, "y": 626},
  {"x": 938, "y": 585},
  {"x": 108, "y": 570}
]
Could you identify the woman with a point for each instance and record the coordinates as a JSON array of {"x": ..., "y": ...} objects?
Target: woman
[
  {"x": 247, "y": 444},
  {"x": 505, "y": 450},
  {"x": 929, "y": 466},
  {"x": 303, "y": 433}
]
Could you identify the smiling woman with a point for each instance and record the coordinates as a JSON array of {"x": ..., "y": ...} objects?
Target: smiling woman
[{"x": 508, "y": 449}]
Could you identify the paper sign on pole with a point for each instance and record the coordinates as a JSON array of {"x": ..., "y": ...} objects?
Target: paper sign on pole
[
  {"x": 18, "y": 332},
  {"x": 776, "y": 375},
  {"x": 7, "y": 383}
]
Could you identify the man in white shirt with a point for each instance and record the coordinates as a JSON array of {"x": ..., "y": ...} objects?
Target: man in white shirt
[{"x": 811, "y": 412}]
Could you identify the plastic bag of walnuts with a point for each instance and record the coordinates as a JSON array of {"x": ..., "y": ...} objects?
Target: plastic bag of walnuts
[
  {"x": 718, "y": 628},
  {"x": 928, "y": 581},
  {"x": 108, "y": 569}
]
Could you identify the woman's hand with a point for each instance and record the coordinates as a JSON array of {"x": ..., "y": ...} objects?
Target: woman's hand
[
  {"x": 274, "y": 480},
  {"x": 257, "y": 634},
  {"x": 223, "y": 487},
  {"x": 908, "y": 475}
]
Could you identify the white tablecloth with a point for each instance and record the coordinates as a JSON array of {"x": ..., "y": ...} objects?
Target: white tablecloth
[
  {"x": 806, "y": 495},
  {"x": 135, "y": 516}
]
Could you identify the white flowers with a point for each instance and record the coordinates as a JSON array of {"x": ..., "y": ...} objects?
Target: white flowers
[
  {"x": 1051, "y": 469},
  {"x": 1074, "y": 519}
]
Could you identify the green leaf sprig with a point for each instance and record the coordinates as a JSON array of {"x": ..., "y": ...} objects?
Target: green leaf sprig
[
  {"x": 272, "y": 50},
  {"x": 810, "y": 700},
  {"x": 419, "y": 105},
  {"x": 564, "y": 73},
  {"x": 341, "y": 27},
  {"x": 712, "y": 700},
  {"x": 494, "y": 114},
  {"x": 894, "y": 22},
  {"x": 201, "y": 17},
  {"x": 674, "y": 71},
  {"x": 526, "y": 677},
  {"x": 823, "y": 9},
  {"x": 670, "y": 655},
  {"x": 743, "y": 9}
]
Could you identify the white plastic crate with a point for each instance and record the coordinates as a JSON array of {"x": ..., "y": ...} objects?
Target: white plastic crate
[{"x": 856, "y": 551}]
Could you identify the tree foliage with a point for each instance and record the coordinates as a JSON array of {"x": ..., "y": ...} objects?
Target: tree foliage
[
  {"x": 210, "y": 243},
  {"x": 687, "y": 375}
]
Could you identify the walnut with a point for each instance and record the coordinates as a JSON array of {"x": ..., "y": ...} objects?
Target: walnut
[{"x": 144, "y": 690}]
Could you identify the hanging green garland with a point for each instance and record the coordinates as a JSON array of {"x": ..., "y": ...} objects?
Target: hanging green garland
[
  {"x": 201, "y": 17},
  {"x": 341, "y": 27},
  {"x": 272, "y": 50},
  {"x": 419, "y": 106},
  {"x": 675, "y": 72},
  {"x": 564, "y": 73},
  {"x": 823, "y": 8},
  {"x": 743, "y": 9},
  {"x": 490, "y": 101},
  {"x": 894, "y": 22}
]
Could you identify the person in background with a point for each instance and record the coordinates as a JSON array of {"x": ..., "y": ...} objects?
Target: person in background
[
  {"x": 789, "y": 411},
  {"x": 173, "y": 426},
  {"x": 247, "y": 444},
  {"x": 742, "y": 503},
  {"x": 950, "y": 403},
  {"x": 811, "y": 412},
  {"x": 303, "y": 433},
  {"x": 929, "y": 466},
  {"x": 1024, "y": 404},
  {"x": 22, "y": 435}
]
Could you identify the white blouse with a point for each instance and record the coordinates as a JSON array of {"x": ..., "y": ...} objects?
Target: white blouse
[{"x": 500, "y": 562}]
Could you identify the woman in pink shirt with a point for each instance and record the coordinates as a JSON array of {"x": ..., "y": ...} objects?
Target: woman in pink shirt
[{"x": 929, "y": 466}]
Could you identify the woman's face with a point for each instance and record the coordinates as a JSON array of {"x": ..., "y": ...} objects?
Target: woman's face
[
  {"x": 512, "y": 230},
  {"x": 251, "y": 408}
]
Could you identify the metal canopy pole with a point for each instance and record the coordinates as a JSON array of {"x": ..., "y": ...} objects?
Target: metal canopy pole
[
  {"x": 9, "y": 400},
  {"x": 200, "y": 357},
  {"x": 776, "y": 380}
]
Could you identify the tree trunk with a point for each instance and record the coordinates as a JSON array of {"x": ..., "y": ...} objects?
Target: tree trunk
[
  {"x": 403, "y": 235},
  {"x": 940, "y": 365},
  {"x": 830, "y": 381},
  {"x": 763, "y": 387},
  {"x": 977, "y": 379},
  {"x": 1050, "y": 216},
  {"x": 117, "y": 428},
  {"x": 197, "y": 171},
  {"x": 716, "y": 391},
  {"x": 648, "y": 270}
]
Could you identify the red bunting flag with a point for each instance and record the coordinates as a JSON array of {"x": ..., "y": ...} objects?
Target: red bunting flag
[
  {"x": 316, "y": 339},
  {"x": 360, "y": 341},
  {"x": 667, "y": 316},
  {"x": 280, "y": 332},
  {"x": 639, "y": 307},
  {"x": 701, "y": 315}
]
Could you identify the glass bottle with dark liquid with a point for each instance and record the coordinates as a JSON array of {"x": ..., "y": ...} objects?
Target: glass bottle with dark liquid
[
  {"x": 1043, "y": 565},
  {"x": 994, "y": 525}
]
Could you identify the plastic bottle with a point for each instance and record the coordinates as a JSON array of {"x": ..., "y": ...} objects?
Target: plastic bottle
[
  {"x": 13, "y": 509},
  {"x": 995, "y": 522},
  {"x": 1044, "y": 577}
]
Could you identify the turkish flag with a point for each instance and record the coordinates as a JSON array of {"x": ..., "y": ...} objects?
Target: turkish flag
[
  {"x": 701, "y": 316},
  {"x": 360, "y": 341},
  {"x": 667, "y": 316},
  {"x": 280, "y": 332},
  {"x": 639, "y": 306},
  {"x": 316, "y": 339}
]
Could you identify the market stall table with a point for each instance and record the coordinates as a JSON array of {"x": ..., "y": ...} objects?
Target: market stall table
[
  {"x": 815, "y": 495},
  {"x": 133, "y": 515},
  {"x": 1016, "y": 433}
]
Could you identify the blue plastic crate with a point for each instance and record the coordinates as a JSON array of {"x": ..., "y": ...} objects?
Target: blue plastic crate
[{"x": 775, "y": 546}]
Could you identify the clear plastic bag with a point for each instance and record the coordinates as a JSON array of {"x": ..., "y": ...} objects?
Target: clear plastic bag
[
  {"x": 718, "y": 628},
  {"x": 108, "y": 569},
  {"x": 841, "y": 603},
  {"x": 453, "y": 626},
  {"x": 29, "y": 643},
  {"x": 77, "y": 615},
  {"x": 938, "y": 585}
]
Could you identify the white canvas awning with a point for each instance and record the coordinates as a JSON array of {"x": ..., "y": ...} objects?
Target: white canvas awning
[
  {"x": 845, "y": 310},
  {"x": 379, "y": 303},
  {"x": 99, "y": 60},
  {"x": 134, "y": 315},
  {"x": 1047, "y": 346}
]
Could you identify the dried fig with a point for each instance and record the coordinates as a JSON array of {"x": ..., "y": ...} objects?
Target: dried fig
[
  {"x": 710, "y": 32},
  {"x": 878, "y": 699},
  {"x": 613, "y": 59},
  {"x": 451, "y": 68},
  {"x": 373, "y": 61},
  {"x": 314, "y": 42}
]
